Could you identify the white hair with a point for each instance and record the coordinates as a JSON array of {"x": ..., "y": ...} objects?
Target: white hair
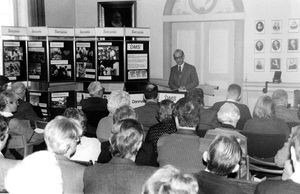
[{"x": 117, "y": 99}]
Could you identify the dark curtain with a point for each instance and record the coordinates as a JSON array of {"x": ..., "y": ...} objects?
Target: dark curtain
[{"x": 36, "y": 13}]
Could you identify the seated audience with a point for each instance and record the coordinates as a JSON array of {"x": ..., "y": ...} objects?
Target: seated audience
[
  {"x": 147, "y": 113},
  {"x": 223, "y": 157},
  {"x": 3, "y": 135},
  {"x": 280, "y": 100},
  {"x": 234, "y": 96},
  {"x": 121, "y": 174},
  {"x": 89, "y": 148},
  {"x": 3, "y": 83},
  {"x": 292, "y": 184},
  {"x": 166, "y": 123},
  {"x": 62, "y": 136},
  {"x": 181, "y": 149},
  {"x": 37, "y": 173},
  {"x": 168, "y": 179},
  {"x": 115, "y": 100}
]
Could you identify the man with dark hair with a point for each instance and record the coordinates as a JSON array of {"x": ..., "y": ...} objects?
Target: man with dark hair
[
  {"x": 147, "y": 113},
  {"x": 234, "y": 96},
  {"x": 223, "y": 157}
]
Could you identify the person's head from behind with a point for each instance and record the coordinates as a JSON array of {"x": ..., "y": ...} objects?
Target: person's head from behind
[
  {"x": 35, "y": 174},
  {"x": 169, "y": 179},
  {"x": 117, "y": 99},
  {"x": 234, "y": 92},
  {"x": 178, "y": 56},
  {"x": 3, "y": 83},
  {"x": 223, "y": 155},
  {"x": 127, "y": 140},
  {"x": 166, "y": 108},
  {"x": 8, "y": 101},
  {"x": 151, "y": 92},
  {"x": 197, "y": 95},
  {"x": 280, "y": 98},
  {"x": 76, "y": 114},
  {"x": 19, "y": 89},
  {"x": 124, "y": 112},
  {"x": 264, "y": 108},
  {"x": 62, "y": 135},
  {"x": 229, "y": 114},
  {"x": 187, "y": 113},
  {"x": 95, "y": 89}
]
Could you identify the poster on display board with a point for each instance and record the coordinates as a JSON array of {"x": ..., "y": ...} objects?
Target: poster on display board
[
  {"x": 61, "y": 61},
  {"x": 40, "y": 98},
  {"x": 14, "y": 60},
  {"x": 61, "y": 100},
  {"x": 85, "y": 60},
  {"x": 110, "y": 61},
  {"x": 37, "y": 61},
  {"x": 137, "y": 60}
]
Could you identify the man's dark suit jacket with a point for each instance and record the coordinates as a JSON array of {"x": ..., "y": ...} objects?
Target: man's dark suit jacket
[
  {"x": 277, "y": 187},
  {"x": 25, "y": 111},
  {"x": 147, "y": 114},
  {"x": 187, "y": 77},
  {"x": 94, "y": 103},
  {"x": 245, "y": 114}
]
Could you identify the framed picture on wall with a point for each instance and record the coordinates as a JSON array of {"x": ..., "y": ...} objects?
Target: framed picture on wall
[
  {"x": 275, "y": 64},
  {"x": 259, "y": 46},
  {"x": 276, "y": 26},
  {"x": 276, "y": 45},
  {"x": 259, "y": 64},
  {"x": 293, "y": 45},
  {"x": 117, "y": 14},
  {"x": 294, "y": 25},
  {"x": 260, "y": 26},
  {"x": 291, "y": 64}
]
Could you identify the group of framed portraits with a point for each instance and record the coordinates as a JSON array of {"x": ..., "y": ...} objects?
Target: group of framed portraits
[{"x": 276, "y": 46}]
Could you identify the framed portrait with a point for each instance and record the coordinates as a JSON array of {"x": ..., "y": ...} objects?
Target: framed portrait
[
  {"x": 291, "y": 64},
  {"x": 294, "y": 25},
  {"x": 117, "y": 14},
  {"x": 293, "y": 45},
  {"x": 259, "y": 46},
  {"x": 276, "y": 26},
  {"x": 276, "y": 45},
  {"x": 259, "y": 65},
  {"x": 275, "y": 64},
  {"x": 260, "y": 26}
]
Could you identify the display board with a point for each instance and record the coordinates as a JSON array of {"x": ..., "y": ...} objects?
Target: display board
[
  {"x": 137, "y": 60},
  {"x": 37, "y": 61},
  {"x": 61, "y": 100},
  {"x": 40, "y": 98},
  {"x": 14, "y": 60},
  {"x": 61, "y": 61},
  {"x": 85, "y": 60},
  {"x": 110, "y": 61}
]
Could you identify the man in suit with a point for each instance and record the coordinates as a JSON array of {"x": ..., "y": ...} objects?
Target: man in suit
[{"x": 183, "y": 75}]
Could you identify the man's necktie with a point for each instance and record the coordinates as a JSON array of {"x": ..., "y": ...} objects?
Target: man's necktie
[{"x": 179, "y": 68}]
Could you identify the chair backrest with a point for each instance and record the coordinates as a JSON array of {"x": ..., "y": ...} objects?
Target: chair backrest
[{"x": 264, "y": 145}]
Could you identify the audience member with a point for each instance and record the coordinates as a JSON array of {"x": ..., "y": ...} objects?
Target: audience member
[
  {"x": 37, "y": 173},
  {"x": 25, "y": 110},
  {"x": 166, "y": 123},
  {"x": 181, "y": 149},
  {"x": 280, "y": 100},
  {"x": 168, "y": 179},
  {"x": 147, "y": 113},
  {"x": 89, "y": 148},
  {"x": 292, "y": 184},
  {"x": 234, "y": 96},
  {"x": 62, "y": 136},
  {"x": 3, "y": 83},
  {"x": 3, "y": 134},
  {"x": 223, "y": 157},
  {"x": 115, "y": 100},
  {"x": 120, "y": 175}
]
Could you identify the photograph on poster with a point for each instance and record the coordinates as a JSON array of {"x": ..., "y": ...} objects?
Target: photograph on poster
[
  {"x": 259, "y": 26},
  {"x": 137, "y": 61},
  {"x": 13, "y": 53},
  {"x": 137, "y": 74},
  {"x": 60, "y": 54},
  {"x": 36, "y": 58},
  {"x": 34, "y": 70},
  {"x": 276, "y": 26},
  {"x": 12, "y": 69},
  {"x": 276, "y": 46},
  {"x": 109, "y": 68},
  {"x": 60, "y": 71},
  {"x": 107, "y": 52},
  {"x": 275, "y": 64},
  {"x": 293, "y": 45},
  {"x": 294, "y": 25},
  {"x": 292, "y": 64},
  {"x": 259, "y": 64},
  {"x": 84, "y": 52},
  {"x": 85, "y": 70},
  {"x": 259, "y": 46},
  {"x": 59, "y": 102}
]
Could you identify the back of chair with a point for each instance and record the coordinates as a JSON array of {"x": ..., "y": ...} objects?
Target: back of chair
[{"x": 264, "y": 145}]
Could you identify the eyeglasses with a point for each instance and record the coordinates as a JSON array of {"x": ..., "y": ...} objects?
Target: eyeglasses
[
  {"x": 78, "y": 140},
  {"x": 180, "y": 57}
]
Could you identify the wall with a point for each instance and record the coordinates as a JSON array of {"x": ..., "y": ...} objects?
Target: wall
[{"x": 60, "y": 13}]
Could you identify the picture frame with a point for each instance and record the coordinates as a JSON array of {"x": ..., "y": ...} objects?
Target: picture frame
[
  {"x": 293, "y": 45},
  {"x": 293, "y": 25},
  {"x": 275, "y": 64},
  {"x": 259, "y": 46},
  {"x": 259, "y": 65},
  {"x": 291, "y": 64},
  {"x": 117, "y": 14},
  {"x": 276, "y": 45},
  {"x": 276, "y": 26},
  {"x": 260, "y": 26}
]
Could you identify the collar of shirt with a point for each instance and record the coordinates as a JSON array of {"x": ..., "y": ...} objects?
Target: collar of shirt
[
  {"x": 181, "y": 66},
  {"x": 6, "y": 114}
]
